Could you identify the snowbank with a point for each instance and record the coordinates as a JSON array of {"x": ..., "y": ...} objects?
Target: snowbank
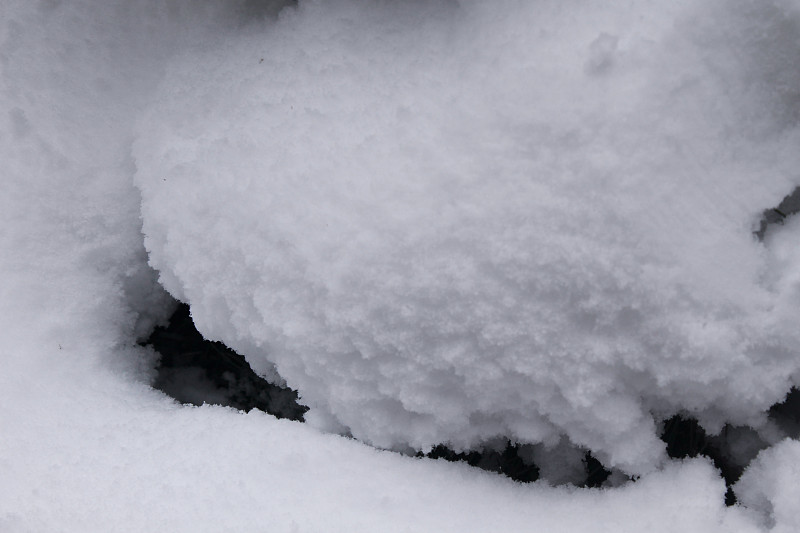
[
  {"x": 451, "y": 221},
  {"x": 116, "y": 459},
  {"x": 85, "y": 444}
]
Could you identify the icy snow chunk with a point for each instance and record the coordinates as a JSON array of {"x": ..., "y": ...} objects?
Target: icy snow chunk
[{"x": 449, "y": 222}]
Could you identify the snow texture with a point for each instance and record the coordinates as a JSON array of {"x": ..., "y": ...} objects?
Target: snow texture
[
  {"x": 87, "y": 445},
  {"x": 445, "y": 222},
  {"x": 771, "y": 485}
]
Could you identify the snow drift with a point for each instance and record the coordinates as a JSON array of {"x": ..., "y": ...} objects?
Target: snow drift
[
  {"x": 452, "y": 221},
  {"x": 87, "y": 445}
]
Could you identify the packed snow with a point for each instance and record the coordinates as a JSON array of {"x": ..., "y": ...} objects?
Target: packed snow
[{"x": 441, "y": 221}]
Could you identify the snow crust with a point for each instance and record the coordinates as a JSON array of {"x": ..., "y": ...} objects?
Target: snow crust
[
  {"x": 452, "y": 221},
  {"x": 86, "y": 445}
]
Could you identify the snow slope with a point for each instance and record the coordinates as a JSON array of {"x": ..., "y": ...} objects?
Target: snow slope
[{"x": 87, "y": 445}]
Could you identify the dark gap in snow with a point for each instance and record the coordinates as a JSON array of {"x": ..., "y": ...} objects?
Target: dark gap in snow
[
  {"x": 686, "y": 438},
  {"x": 596, "y": 473},
  {"x": 510, "y": 462},
  {"x": 736, "y": 446},
  {"x": 787, "y": 414},
  {"x": 789, "y": 206},
  {"x": 195, "y": 371},
  {"x": 507, "y": 462}
]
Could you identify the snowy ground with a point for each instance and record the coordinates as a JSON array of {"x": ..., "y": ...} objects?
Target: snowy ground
[{"x": 658, "y": 132}]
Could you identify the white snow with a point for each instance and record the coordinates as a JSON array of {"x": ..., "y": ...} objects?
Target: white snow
[
  {"x": 453, "y": 221},
  {"x": 532, "y": 222},
  {"x": 770, "y": 486}
]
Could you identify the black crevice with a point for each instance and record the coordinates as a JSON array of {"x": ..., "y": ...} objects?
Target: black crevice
[
  {"x": 194, "y": 370},
  {"x": 507, "y": 461},
  {"x": 686, "y": 438},
  {"x": 787, "y": 414},
  {"x": 789, "y": 206},
  {"x": 596, "y": 473}
]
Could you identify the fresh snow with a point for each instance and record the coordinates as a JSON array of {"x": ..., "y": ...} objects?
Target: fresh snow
[
  {"x": 459, "y": 221},
  {"x": 442, "y": 221},
  {"x": 770, "y": 486}
]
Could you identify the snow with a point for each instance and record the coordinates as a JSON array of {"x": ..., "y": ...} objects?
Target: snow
[
  {"x": 770, "y": 486},
  {"x": 124, "y": 460},
  {"x": 448, "y": 222},
  {"x": 95, "y": 95}
]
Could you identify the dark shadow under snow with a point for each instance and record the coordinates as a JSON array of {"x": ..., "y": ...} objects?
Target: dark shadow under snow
[
  {"x": 789, "y": 206},
  {"x": 507, "y": 462},
  {"x": 194, "y": 370}
]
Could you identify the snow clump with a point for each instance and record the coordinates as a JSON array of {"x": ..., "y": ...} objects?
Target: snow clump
[
  {"x": 445, "y": 222},
  {"x": 770, "y": 486}
]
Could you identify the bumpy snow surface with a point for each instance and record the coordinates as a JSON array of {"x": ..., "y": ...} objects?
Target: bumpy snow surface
[{"x": 443, "y": 222}]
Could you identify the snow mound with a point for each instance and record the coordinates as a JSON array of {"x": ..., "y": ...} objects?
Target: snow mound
[
  {"x": 771, "y": 486},
  {"x": 452, "y": 221}
]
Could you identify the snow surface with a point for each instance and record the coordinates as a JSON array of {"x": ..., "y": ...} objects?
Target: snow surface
[
  {"x": 455, "y": 221},
  {"x": 87, "y": 445},
  {"x": 770, "y": 486}
]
